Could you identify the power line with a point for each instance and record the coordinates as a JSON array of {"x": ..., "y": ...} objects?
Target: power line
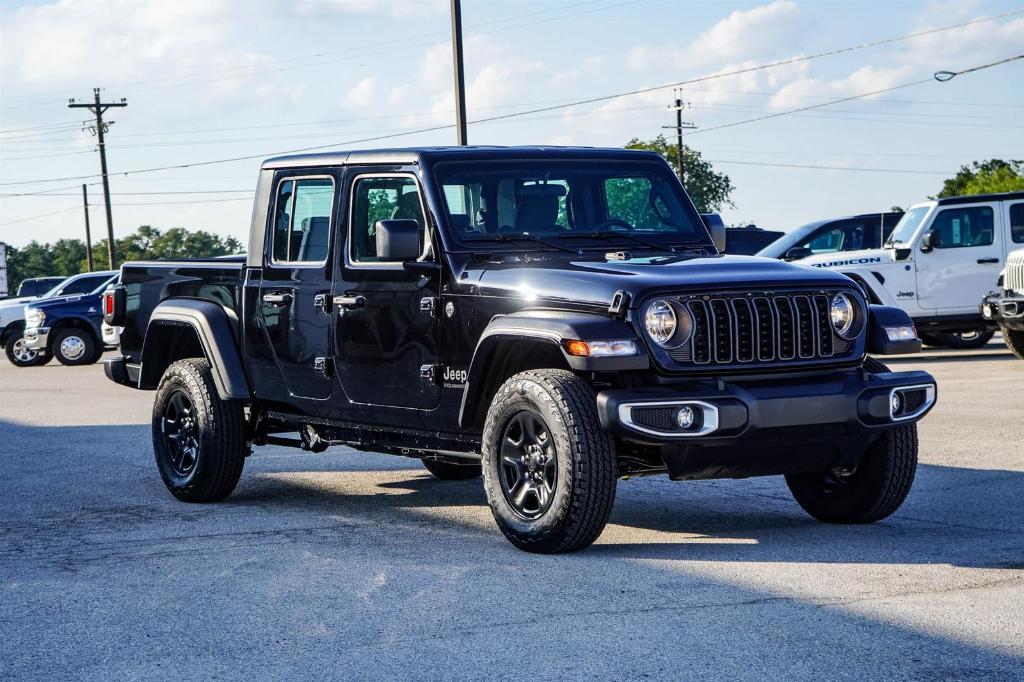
[
  {"x": 854, "y": 97},
  {"x": 517, "y": 114},
  {"x": 49, "y": 193},
  {"x": 41, "y": 215},
  {"x": 835, "y": 168},
  {"x": 360, "y": 53}
]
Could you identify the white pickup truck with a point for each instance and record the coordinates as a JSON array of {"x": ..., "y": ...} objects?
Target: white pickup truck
[{"x": 940, "y": 261}]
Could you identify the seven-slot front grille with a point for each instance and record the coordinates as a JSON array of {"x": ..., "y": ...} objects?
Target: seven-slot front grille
[
  {"x": 740, "y": 329},
  {"x": 1014, "y": 279}
]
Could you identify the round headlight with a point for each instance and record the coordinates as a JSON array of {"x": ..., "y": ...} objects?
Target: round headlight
[
  {"x": 844, "y": 315},
  {"x": 660, "y": 322}
]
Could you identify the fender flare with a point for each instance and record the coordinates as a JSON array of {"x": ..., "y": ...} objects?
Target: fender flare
[
  {"x": 214, "y": 329},
  {"x": 79, "y": 321},
  {"x": 552, "y": 327}
]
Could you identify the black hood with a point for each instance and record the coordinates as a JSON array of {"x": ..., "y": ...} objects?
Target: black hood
[{"x": 595, "y": 281}]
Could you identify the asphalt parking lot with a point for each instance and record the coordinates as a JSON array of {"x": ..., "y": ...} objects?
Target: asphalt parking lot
[{"x": 363, "y": 566}]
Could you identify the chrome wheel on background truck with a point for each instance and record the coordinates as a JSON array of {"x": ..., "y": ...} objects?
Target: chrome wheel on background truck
[{"x": 21, "y": 355}]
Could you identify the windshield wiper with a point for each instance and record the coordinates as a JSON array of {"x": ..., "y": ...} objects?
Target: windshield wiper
[
  {"x": 622, "y": 235},
  {"x": 522, "y": 237}
]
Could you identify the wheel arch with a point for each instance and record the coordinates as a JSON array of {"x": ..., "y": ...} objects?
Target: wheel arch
[
  {"x": 76, "y": 322},
  {"x": 533, "y": 340},
  {"x": 190, "y": 328},
  {"x": 11, "y": 331}
]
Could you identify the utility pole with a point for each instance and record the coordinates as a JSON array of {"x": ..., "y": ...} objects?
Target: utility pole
[
  {"x": 98, "y": 108},
  {"x": 460, "y": 80},
  {"x": 680, "y": 126},
  {"x": 88, "y": 237}
]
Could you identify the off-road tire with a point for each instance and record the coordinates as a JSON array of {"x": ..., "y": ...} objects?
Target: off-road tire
[
  {"x": 220, "y": 434},
  {"x": 452, "y": 471},
  {"x": 16, "y": 354},
  {"x": 90, "y": 348},
  {"x": 1014, "y": 341},
  {"x": 954, "y": 340},
  {"x": 878, "y": 486},
  {"x": 584, "y": 492}
]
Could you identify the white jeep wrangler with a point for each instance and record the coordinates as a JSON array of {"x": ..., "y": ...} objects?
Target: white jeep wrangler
[{"x": 940, "y": 261}]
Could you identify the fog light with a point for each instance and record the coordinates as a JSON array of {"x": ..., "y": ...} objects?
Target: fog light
[
  {"x": 895, "y": 404},
  {"x": 986, "y": 312},
  {"x": 685, "y": 417}
]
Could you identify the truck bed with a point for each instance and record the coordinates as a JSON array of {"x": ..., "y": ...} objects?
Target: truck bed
[{"x": 148, "y": 283}]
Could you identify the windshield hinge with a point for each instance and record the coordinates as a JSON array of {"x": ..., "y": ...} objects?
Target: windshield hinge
[{"x": 619, "y": 304}]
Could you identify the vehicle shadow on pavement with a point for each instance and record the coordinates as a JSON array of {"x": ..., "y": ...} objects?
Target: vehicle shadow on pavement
[
  {"x": 752, "y": 520},
  {"x": 953, "y": 515},
  {"x": 393, "y": 570}
]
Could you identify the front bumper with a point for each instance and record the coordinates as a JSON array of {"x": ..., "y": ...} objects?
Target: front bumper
[
  {"x": 1005, "y": 309},
  {"x": 37, "y": 338},
  {"x": 748, "y": 428}
]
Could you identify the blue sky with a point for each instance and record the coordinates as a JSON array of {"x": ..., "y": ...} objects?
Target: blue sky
[{"x": 224, "y": 78}]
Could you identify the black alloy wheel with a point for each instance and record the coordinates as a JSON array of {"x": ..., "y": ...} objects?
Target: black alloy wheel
[
  {"x": 529, "y": 465},
  {"x": 180, "y": 433}
]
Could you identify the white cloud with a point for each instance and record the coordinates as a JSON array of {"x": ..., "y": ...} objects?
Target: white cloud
[
  {"x": 394, "y": 8},
  {"x": 362, "y": 94},
  {"x": 741, "y": 35},
  {"x": 497, "y": 75},
  {"x": 918, "y": 58},
  {"x": 69, "y": 41}
]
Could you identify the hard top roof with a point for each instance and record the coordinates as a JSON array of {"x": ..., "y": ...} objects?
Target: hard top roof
[
  {"x": 972, "y": 198},
  {"x": 414, "y": 155}
]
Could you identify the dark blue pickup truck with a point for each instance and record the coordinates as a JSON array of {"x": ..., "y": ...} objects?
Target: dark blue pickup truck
[{"x": 68, "y": 327}]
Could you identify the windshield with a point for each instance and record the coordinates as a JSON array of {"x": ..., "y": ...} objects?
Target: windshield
[
  {"x": 80, "y": 284},
  {"x": 907, "y": 226},
  {"x": 779, "y": 247},
  {"x": 499, "y": 201}
]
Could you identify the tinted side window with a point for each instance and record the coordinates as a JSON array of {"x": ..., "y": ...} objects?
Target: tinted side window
[
  {"x": 302, "y": 220},
  {"x": 381, "y": 198},
  {"x": 83, "y": 285},
  {"x": 964, "y": 227},
  {"x": 1017, "y": 223}
]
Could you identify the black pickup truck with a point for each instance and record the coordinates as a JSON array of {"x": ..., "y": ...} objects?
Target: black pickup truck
[{"x": 551, "y": 318}]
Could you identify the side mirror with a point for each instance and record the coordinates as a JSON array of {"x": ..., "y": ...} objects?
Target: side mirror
[
  {"x": 930, "y": 240},
  {"x": 398, "y": 240},
  {"x": 716, "y": 227},
  {"x": 797, "y": 252}
]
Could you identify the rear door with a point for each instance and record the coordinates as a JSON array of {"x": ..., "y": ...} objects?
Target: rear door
[
  {"x": 295, "y": 282},
  {"x": 954, "y": 276}
]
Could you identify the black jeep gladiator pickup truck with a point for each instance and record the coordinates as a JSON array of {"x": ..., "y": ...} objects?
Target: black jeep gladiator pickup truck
[{"x": 551, "y": 318}]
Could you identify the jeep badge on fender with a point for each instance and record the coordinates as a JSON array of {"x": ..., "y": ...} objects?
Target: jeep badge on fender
[{"x": 600, "y": 334}]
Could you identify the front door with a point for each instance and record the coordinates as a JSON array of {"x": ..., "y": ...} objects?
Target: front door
[
  {"x": 295, "y": 286},
  {"x": 385, "y": 330},
  {"x": 954, "y": 276}
]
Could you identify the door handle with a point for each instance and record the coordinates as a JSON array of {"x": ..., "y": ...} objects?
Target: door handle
[
  {"x": 984, "y": 261},
  {"x": 349, "y": 302},
  {"x": 277, "y": 299}
]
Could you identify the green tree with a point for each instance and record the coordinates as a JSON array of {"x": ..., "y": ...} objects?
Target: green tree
[
  {"x": 67, "y": 256},
  {"x": 709, "y": 189},
  {"x": 985, "y": 177}
]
